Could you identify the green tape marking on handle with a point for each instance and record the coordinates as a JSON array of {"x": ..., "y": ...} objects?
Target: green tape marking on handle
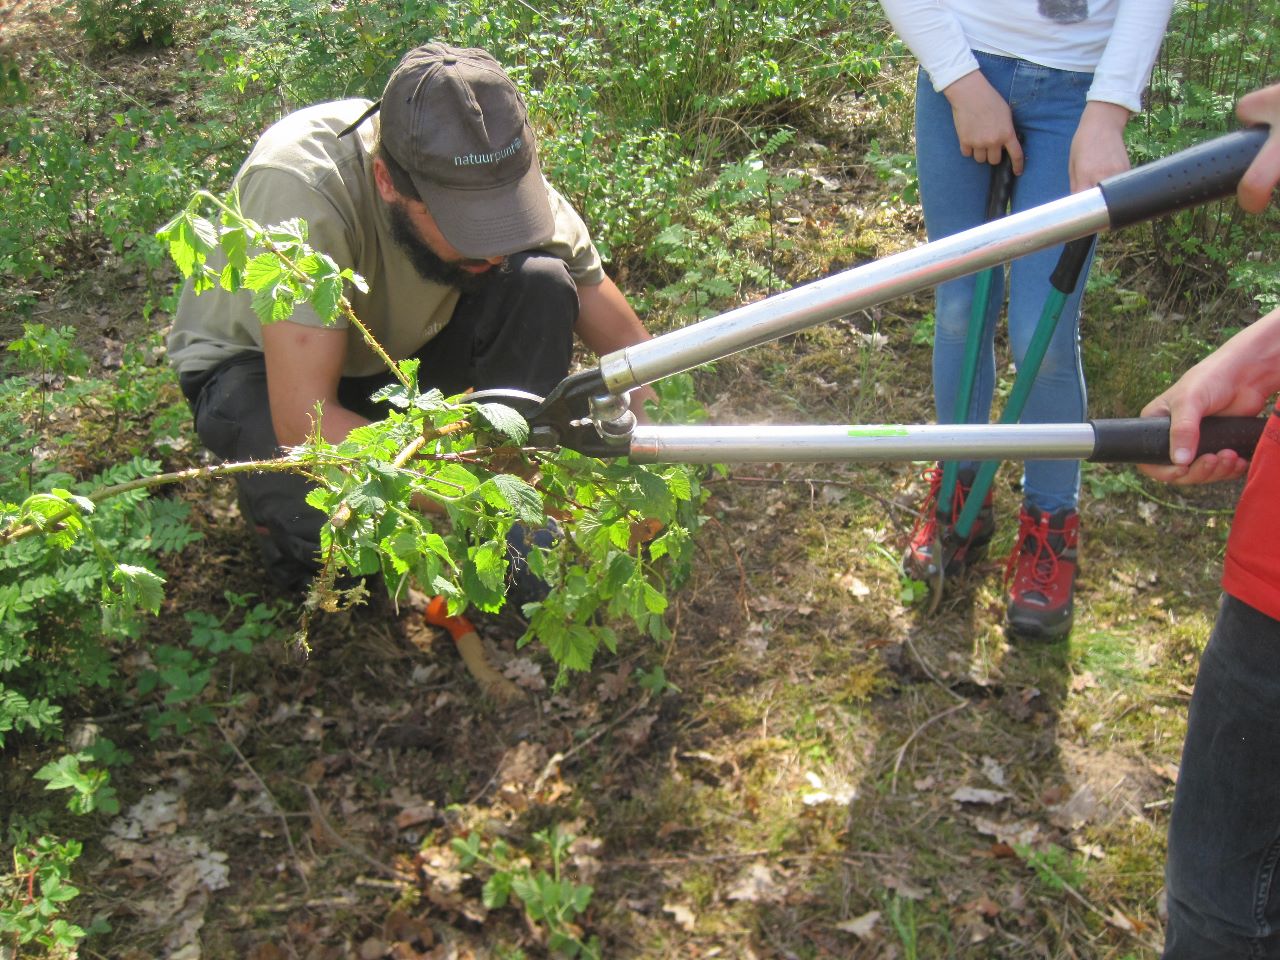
[{"x": 878, "y": 431}]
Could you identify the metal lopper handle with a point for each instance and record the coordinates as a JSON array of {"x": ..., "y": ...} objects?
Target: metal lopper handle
[
  {"x": 1140, "y": 440},
  {"x": 1205, "y": 172}
]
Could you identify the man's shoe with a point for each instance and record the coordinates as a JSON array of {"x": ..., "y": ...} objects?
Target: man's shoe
[
  {"x": 288, "y": 573},
  {"x": 1041, "y": 574},
  {"x": 935, "y": 530},
  {"x": 522, "y": 585}
]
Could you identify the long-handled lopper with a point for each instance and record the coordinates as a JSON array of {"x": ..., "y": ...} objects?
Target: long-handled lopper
[{"x": 587, "y": 411}]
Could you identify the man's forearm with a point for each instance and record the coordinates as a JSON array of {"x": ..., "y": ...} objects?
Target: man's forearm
[{"x": 607, "y": 323}]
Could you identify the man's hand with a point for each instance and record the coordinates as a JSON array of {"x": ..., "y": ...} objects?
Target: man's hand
[
  {"x": 1235, "y": 380},
  {"x": 1258, "y": 182},
  {"x": 984, "y": 122},
  {"x": 1097, "y": 149}
]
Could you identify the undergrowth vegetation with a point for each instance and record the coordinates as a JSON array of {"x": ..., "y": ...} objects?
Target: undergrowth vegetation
[{"x": 680, "y": 129}]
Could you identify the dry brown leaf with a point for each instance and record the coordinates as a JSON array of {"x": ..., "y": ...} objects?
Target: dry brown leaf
[
  {"x": 414, "y": 815},
  {"x": 757, "y": 885},
  {"x": 525, "y": 673},
  {"x": 1083, "y": 681},
  {"x": 1013, "y": 832},
  {"x": 636, "y": 733},
  {"x": 980, "y": 796},
  {"x": 401, "y": 927},
  {"x": 682, "y": 915},
  {"x": 613, "y": 685},
  {"x": 522, "y": 764},
  {"x": 985, "y": 906},
  {"x": 902, "y": 888},
  {"x": 863, "y": 927}
]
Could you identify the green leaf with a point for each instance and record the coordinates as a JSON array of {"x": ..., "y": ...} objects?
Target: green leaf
[
  {"x": 496, "y": 891},
  {"x": 325, "y": 298},
  {"x": 235, "y": 246},
  {"x": 657, "y": 501},
  {"x": 139, "y": 586},
  {"x": 355, "y": 280},
  {"x": 573, "y": 648},
  {"x": 504, "y": 420},
  {"x": 63, "y": 774},
  {"x": 490, "y": 562},
  {"x": 678, "y": 483},
  {"x": 516, "y": 495},
  {"x": 654, "y": 601},
  {"x": 263, "y": 271}
]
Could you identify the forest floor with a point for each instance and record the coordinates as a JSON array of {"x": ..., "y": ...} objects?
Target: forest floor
[{"x": 831, "y": 771}]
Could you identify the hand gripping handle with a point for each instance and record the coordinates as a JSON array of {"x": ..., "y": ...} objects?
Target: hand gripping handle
[
  {"x": 1146, "y": 439},
  {"x": 1207, "y": 171}
]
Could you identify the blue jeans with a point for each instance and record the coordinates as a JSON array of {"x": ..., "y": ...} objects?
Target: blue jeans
[
  {"x": 1224, "y": 836},
  {"x": 1046, "y": 105}
]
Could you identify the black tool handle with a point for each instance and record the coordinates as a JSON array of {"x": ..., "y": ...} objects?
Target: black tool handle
[
  {"x": 1207, "y": 171},
  {"x": 1146, "y": 439},
  {"x": 1001, "y": 189},
  {"x": 1066, "y": 274}
]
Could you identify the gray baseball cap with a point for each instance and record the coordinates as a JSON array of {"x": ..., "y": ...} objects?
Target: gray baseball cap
[{"x": 455, "y": 122}]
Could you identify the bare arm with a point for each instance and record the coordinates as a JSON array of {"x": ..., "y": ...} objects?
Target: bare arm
[
  {"x": 607, "y": 323},
  {"x": 304, "y": 365}
]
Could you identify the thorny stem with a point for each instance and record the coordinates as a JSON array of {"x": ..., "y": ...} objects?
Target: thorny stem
[
  {"x": 17, "y": 531},
  {"x": 344, "y": 305}
]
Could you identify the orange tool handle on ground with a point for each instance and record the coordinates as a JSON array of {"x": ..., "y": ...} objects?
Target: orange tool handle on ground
[{"x": 469, "y": 646}]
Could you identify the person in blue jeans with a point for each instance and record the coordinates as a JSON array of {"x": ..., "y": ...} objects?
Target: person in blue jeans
[
  {"x": 1051, "y": 85},
  {"x": 1223, "y": 873}
]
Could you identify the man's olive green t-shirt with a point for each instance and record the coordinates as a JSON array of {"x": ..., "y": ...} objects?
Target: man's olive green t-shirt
[{"x": 301, "y": 168}]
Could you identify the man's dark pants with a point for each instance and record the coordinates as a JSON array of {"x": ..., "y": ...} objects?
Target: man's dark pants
[
  {"x": 1224, "y": 836},
  {"x": 515, "y": 332}
]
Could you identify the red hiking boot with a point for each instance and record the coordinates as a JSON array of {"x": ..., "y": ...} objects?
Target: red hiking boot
[
  {"x": 935, "y": 529},
  {"x": 1041, "y": 574}
]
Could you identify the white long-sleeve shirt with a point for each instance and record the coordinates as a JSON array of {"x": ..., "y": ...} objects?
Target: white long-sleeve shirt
[{"x": 1115, "y": 40}]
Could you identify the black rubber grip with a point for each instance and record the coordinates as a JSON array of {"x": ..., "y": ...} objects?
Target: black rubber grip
[
  {"x": 1207, "y": 171},
  {"x": 1146, "y": 439},
  {"x": 1001, "y": 189},
  {"x": 1066, "y": 274}
]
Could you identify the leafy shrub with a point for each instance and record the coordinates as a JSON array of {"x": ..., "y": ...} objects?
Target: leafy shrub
[
  {"x": 34, "y": 893},
  {"x": 65, "y": 599},
  {"x": 96, "y": 173},
  {"x": 123, "y": 24},
  {"x": 1213, "y": 54}
]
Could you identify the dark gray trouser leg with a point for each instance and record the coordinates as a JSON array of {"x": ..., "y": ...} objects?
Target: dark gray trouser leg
[
  {"x": 518, "y": 332},
  {"x": 1224, "y": 835},
  {"x": 233, "y": 420}
]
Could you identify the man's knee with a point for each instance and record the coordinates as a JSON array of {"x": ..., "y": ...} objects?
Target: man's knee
[
  {"x": 543, "y": 290},
  {"x": 543, "y": 275},
  {"x": 232, "y": 411}
]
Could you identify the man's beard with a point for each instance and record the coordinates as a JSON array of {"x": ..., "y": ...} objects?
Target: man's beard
[{"x": 431, "y": 267}]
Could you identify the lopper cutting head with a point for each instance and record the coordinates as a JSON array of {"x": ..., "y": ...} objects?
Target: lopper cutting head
[{"x": 579, "y": 414}]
